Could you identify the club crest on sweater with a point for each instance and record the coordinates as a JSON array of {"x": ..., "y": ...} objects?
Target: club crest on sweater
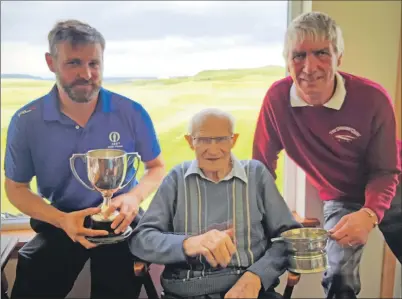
[{"x": 344, "y": 134}]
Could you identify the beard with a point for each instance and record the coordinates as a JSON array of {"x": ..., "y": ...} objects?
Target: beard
[{"x": 77, "y": 94}]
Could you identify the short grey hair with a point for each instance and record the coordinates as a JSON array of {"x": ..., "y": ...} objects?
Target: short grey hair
[
  {"x": 74, "y": 32},
  {"x": 317, "y": 25},
  {"x": 200, "y": 116}
]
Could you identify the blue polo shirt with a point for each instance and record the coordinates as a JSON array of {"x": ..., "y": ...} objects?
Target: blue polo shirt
[{"x": 41, "y": 141}]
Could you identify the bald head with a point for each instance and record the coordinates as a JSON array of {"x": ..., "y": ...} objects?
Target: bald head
[
  {"x": 208, "y": 114},
  {"x": 211, "y": 136}
]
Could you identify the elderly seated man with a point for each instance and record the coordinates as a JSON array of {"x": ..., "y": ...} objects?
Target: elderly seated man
[{"x": 211, "y": 220}]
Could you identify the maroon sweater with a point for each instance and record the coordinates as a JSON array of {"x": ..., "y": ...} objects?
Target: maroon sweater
[{"x": 349, "y": 153}]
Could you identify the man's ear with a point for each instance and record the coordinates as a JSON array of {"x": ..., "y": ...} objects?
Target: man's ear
[
  {"x": 235, "y": 136},
  {"x": 339, "y": 61},
  {"x": 189, "y": 140},
  {"x": 50, "y": 62}
]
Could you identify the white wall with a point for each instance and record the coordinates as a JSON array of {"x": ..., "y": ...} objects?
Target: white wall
[{"x": 398, "y": 281}]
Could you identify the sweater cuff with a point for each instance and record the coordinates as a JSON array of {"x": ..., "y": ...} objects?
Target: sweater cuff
[
  {"x": 379, "y": 194},
  {"x": 267, "y": 277},
  {"x": 378, "y": 212},
  {"x": 177, "y": 250},
  {"x": 377, "y": 209}
]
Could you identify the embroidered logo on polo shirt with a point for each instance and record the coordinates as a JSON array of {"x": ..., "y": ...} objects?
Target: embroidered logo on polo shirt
[
  {"x": 114, "y": 138},
  {"x": 26, "y": 111},
  {"x": 344, "y": 134}
]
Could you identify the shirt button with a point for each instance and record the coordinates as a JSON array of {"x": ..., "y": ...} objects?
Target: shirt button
[{"x": 77, "y": 127}]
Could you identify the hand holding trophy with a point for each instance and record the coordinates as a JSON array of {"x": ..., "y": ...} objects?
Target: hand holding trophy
[{"x": 106, "y": 171}]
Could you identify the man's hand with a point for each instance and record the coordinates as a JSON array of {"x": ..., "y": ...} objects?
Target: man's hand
[
  {"x": 216, "y": 246},
  {"x": 353, "y": 229},
  {"x": 73, "y": 224},
  {"x": 128, "y": 207},
  {"x": 248, "y": 286}
]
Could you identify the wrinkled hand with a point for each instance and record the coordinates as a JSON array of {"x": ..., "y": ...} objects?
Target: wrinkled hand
[
  {"x": 353, "y": 229},
  {"x": 248, "y": 286},
  {"x": 73, "y": 224},
  {"x": 216, "y": 246},
  {"x": 128, "y": 208}
]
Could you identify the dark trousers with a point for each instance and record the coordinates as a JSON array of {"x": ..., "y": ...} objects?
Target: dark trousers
[
  {"x": 262, "y": 295},
  {"x": 342, "y": 280},
  {"x": 49, "y": 264}
]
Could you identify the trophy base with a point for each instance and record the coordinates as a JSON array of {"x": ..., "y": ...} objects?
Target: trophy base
[
  {"x": 98, "y": 222},
  {"x": 111, "y": 239}
]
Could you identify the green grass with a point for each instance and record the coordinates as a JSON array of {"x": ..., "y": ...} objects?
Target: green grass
[{"x": 171, "y": 103}]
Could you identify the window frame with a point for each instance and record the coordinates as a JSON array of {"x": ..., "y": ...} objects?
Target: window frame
[{"x": 295, "y": 185}]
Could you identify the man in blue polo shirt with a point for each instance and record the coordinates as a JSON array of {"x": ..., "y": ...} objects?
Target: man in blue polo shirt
[{"x": 76, "y": 116}]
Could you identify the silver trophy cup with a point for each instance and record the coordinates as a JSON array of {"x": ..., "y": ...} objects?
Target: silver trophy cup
[{"x": 106, "y": 170}]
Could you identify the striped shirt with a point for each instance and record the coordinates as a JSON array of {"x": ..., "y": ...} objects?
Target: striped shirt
[{"x": 188, "y": 203}]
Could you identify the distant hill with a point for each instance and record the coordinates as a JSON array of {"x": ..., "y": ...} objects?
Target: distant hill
[
  {"x": 259, "y": 73},
  {"x": 20, "y": 76},
  {"x": 206, "y": 75},
  {"x": 126, "y": 79},
  {"x": 106, "y": 79},
  {"x": 271, "y": 70}
]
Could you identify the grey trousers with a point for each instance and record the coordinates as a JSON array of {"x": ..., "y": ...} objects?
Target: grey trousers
[{"x": 342, "y": 280}]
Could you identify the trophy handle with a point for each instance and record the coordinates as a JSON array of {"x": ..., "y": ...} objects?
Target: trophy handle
[
  {"x": 133, "y": 156},
  {"x": 72, "y": 161}
]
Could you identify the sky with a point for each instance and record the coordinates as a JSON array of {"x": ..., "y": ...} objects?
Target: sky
[{"x": 150, "y": 38}]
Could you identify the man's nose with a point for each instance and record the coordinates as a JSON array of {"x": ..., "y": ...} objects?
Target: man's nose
[
  {"x": 310, "y": 64},
  {"x": 213, "y": 147},
  {"x": 85, "y": 73}
]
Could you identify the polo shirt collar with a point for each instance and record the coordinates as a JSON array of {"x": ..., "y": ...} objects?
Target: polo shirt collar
[
  {"x": 237, "y": 171},
  {"x": 51, "y": 109},
  {"x": 335, "y": 102}
]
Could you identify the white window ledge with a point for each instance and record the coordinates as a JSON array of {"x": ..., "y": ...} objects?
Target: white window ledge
[{"x": 15, "y": 223}]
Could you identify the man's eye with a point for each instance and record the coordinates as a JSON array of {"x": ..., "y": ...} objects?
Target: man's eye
[
  {"x": 299, "y": 56},
  {"x": 322, "y": 53}
]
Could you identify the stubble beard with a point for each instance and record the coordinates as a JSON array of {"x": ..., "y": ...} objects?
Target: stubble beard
[{"x": 78, "y": 97}]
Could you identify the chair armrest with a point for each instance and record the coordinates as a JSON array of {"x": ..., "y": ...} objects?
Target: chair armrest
[
  {"x": 140, "y": 267},
  {"x": 306, "y": 222},
  {"x": 293, "y": 279}
]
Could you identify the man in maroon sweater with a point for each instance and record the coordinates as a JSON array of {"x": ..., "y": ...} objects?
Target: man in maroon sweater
[{"x": 341, "y": 130}]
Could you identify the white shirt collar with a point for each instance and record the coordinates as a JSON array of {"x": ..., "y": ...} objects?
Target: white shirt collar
[
  {"x": 334, "y": 103},
  {"x": 237, "y": 170}
]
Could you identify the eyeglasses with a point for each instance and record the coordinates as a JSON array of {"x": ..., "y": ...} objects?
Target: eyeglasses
[{"x": 209, "y": 140}]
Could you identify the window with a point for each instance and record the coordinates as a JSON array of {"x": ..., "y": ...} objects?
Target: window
[{"x": 173, "y": 57}]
